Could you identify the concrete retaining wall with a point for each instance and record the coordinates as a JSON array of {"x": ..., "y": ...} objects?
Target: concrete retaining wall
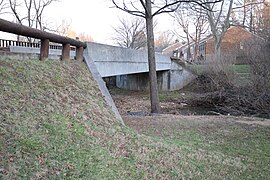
[
  {"x": 179, "y": 77},
  {"x": 174, "y": 79},
  {"x": 53, "y": 53},
  {"x": 18, "y": 56}
]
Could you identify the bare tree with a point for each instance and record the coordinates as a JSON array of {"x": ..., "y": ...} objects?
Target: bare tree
[
  {"x": 39, "y": 6},
  {"x": 248, "y": 10},
  {"x": 164, "y": 39},
  {"x": 192, "y": 21},
  {"x": 219, "y": 19},
  {"x": 62, "y": 29},
  {"x": 263, "y": 21},
  {"x": 252, "y": 15},
  {"x": 14, "y": 5},
  {"x": 130, "y": 33},
  {"x": 257, "y": 15},
  {"x": 148, "y": 9},
  {"x": 65, "y": 29},
  {"x": 85, "y": 37},
  {"x": 3, "y": 6},
  {"x": 29, "y": 12}
]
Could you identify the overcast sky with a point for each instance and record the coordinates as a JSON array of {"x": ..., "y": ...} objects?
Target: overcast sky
[{"x": 93, "y": 17}]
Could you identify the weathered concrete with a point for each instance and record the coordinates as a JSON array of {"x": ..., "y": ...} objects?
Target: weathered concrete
[
  {"x": 174, "y": 79},
  {"x": 140, "y": 82},
  {"x": 31, "y": 50},
  {"x": 130, "y": 66},
  {"x": 102, "y": 86},
  {"x": 112, "y": 60},
  {"x": 19, "y": 56},
  {"x": 179, "y": 77}
]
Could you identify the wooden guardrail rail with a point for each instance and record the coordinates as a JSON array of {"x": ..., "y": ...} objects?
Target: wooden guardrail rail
[{"x": 45, "y": 38}]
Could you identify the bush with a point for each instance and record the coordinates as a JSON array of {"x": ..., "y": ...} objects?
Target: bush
[{"x": 231, "y": 92}]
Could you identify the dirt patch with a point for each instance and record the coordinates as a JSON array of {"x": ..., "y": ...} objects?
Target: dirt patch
[
  {"x": 174, "y": 108},
  {"x": 171, "y": 103},
  {"x": 131, "y": 103},
  {"x": 262, "y": 123}
]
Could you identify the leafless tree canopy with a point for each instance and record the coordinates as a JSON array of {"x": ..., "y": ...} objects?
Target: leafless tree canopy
[
  {"x": 147, "y": 9},
  {"x": 164, "y": 40},
  {"x": 191, "y": 25},
  {"x": 29, "y": 12},
  {"x": 130, "y": 33},
  {"x": 138, "y": 8},
  {"x": 3, "y": 6}
]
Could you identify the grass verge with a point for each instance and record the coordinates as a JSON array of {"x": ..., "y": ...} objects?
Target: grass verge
[
  {"x": 247, "y": 144},
  {"x": 55, "y": 124}
]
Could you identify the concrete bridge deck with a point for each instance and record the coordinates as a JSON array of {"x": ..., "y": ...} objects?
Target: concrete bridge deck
[{"x": 112, "y": 60}]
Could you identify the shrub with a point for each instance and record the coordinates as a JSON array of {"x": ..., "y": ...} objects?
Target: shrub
[{"x": 231, "y": 92}]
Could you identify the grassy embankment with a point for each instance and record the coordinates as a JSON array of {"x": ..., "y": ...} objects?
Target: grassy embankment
[{"x": 55, "y": 124}]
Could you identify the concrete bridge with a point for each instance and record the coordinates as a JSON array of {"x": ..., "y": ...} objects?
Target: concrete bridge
[
  {"x": 131, "y": 67},
  {"x": 128, "y": 67},
  {"x": 113, "y": 61}
]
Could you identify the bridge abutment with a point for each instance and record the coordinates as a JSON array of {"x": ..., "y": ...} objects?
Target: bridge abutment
[
  {"x": 174, "y": 79},
  {"x": 140, "y": 82}
]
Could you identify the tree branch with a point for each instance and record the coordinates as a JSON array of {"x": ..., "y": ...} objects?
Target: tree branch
[
  {"x": 125, "y": 9},
  {"x": 168, "y": 7}
]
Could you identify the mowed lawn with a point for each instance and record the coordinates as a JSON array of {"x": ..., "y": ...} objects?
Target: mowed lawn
[{"x": 245, "y": 140}]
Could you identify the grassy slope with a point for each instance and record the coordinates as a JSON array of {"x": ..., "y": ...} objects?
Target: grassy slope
[{"x": 55, "y": 124}]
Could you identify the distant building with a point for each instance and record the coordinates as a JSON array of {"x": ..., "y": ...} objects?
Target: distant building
[{"x": 236, "y": 41}]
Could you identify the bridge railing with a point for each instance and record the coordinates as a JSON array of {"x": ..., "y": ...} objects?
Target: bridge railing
[
  {"x": 45, "y": 39},
  {"x": 6, "y": 43}
]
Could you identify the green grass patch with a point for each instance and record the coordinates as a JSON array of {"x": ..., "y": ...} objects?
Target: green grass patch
[
  {"x": 242, "y": 68},
  {"x": 168, "y": 95},
  {"x": 55, "y": 124},
  {"x": 246, "y": 144}
]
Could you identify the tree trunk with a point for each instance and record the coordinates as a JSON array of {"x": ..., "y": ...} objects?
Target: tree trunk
[
  {"x": 155, "y": 107},
  {"x": 217, "y": 53},
  {"x": 196, "y": 49}
]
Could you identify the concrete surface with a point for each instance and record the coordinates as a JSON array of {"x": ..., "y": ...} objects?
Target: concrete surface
[
  {"x": 102, "y": 86},
  {"x": 53, "y": 53},
  {"x": 112, "y": 60},
  {"x": 179, "y": 77}
]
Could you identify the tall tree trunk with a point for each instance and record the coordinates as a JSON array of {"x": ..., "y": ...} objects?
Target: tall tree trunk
[
  {"x": 218, "y": 50},
  {"x": 155, "y": 107},
  {"x": 196, "y": 49},
  {"x": 217, "y": 53}
]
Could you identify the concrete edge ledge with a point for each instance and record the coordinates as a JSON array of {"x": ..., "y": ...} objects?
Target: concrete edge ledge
[{"x": 102, "y": 86}]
